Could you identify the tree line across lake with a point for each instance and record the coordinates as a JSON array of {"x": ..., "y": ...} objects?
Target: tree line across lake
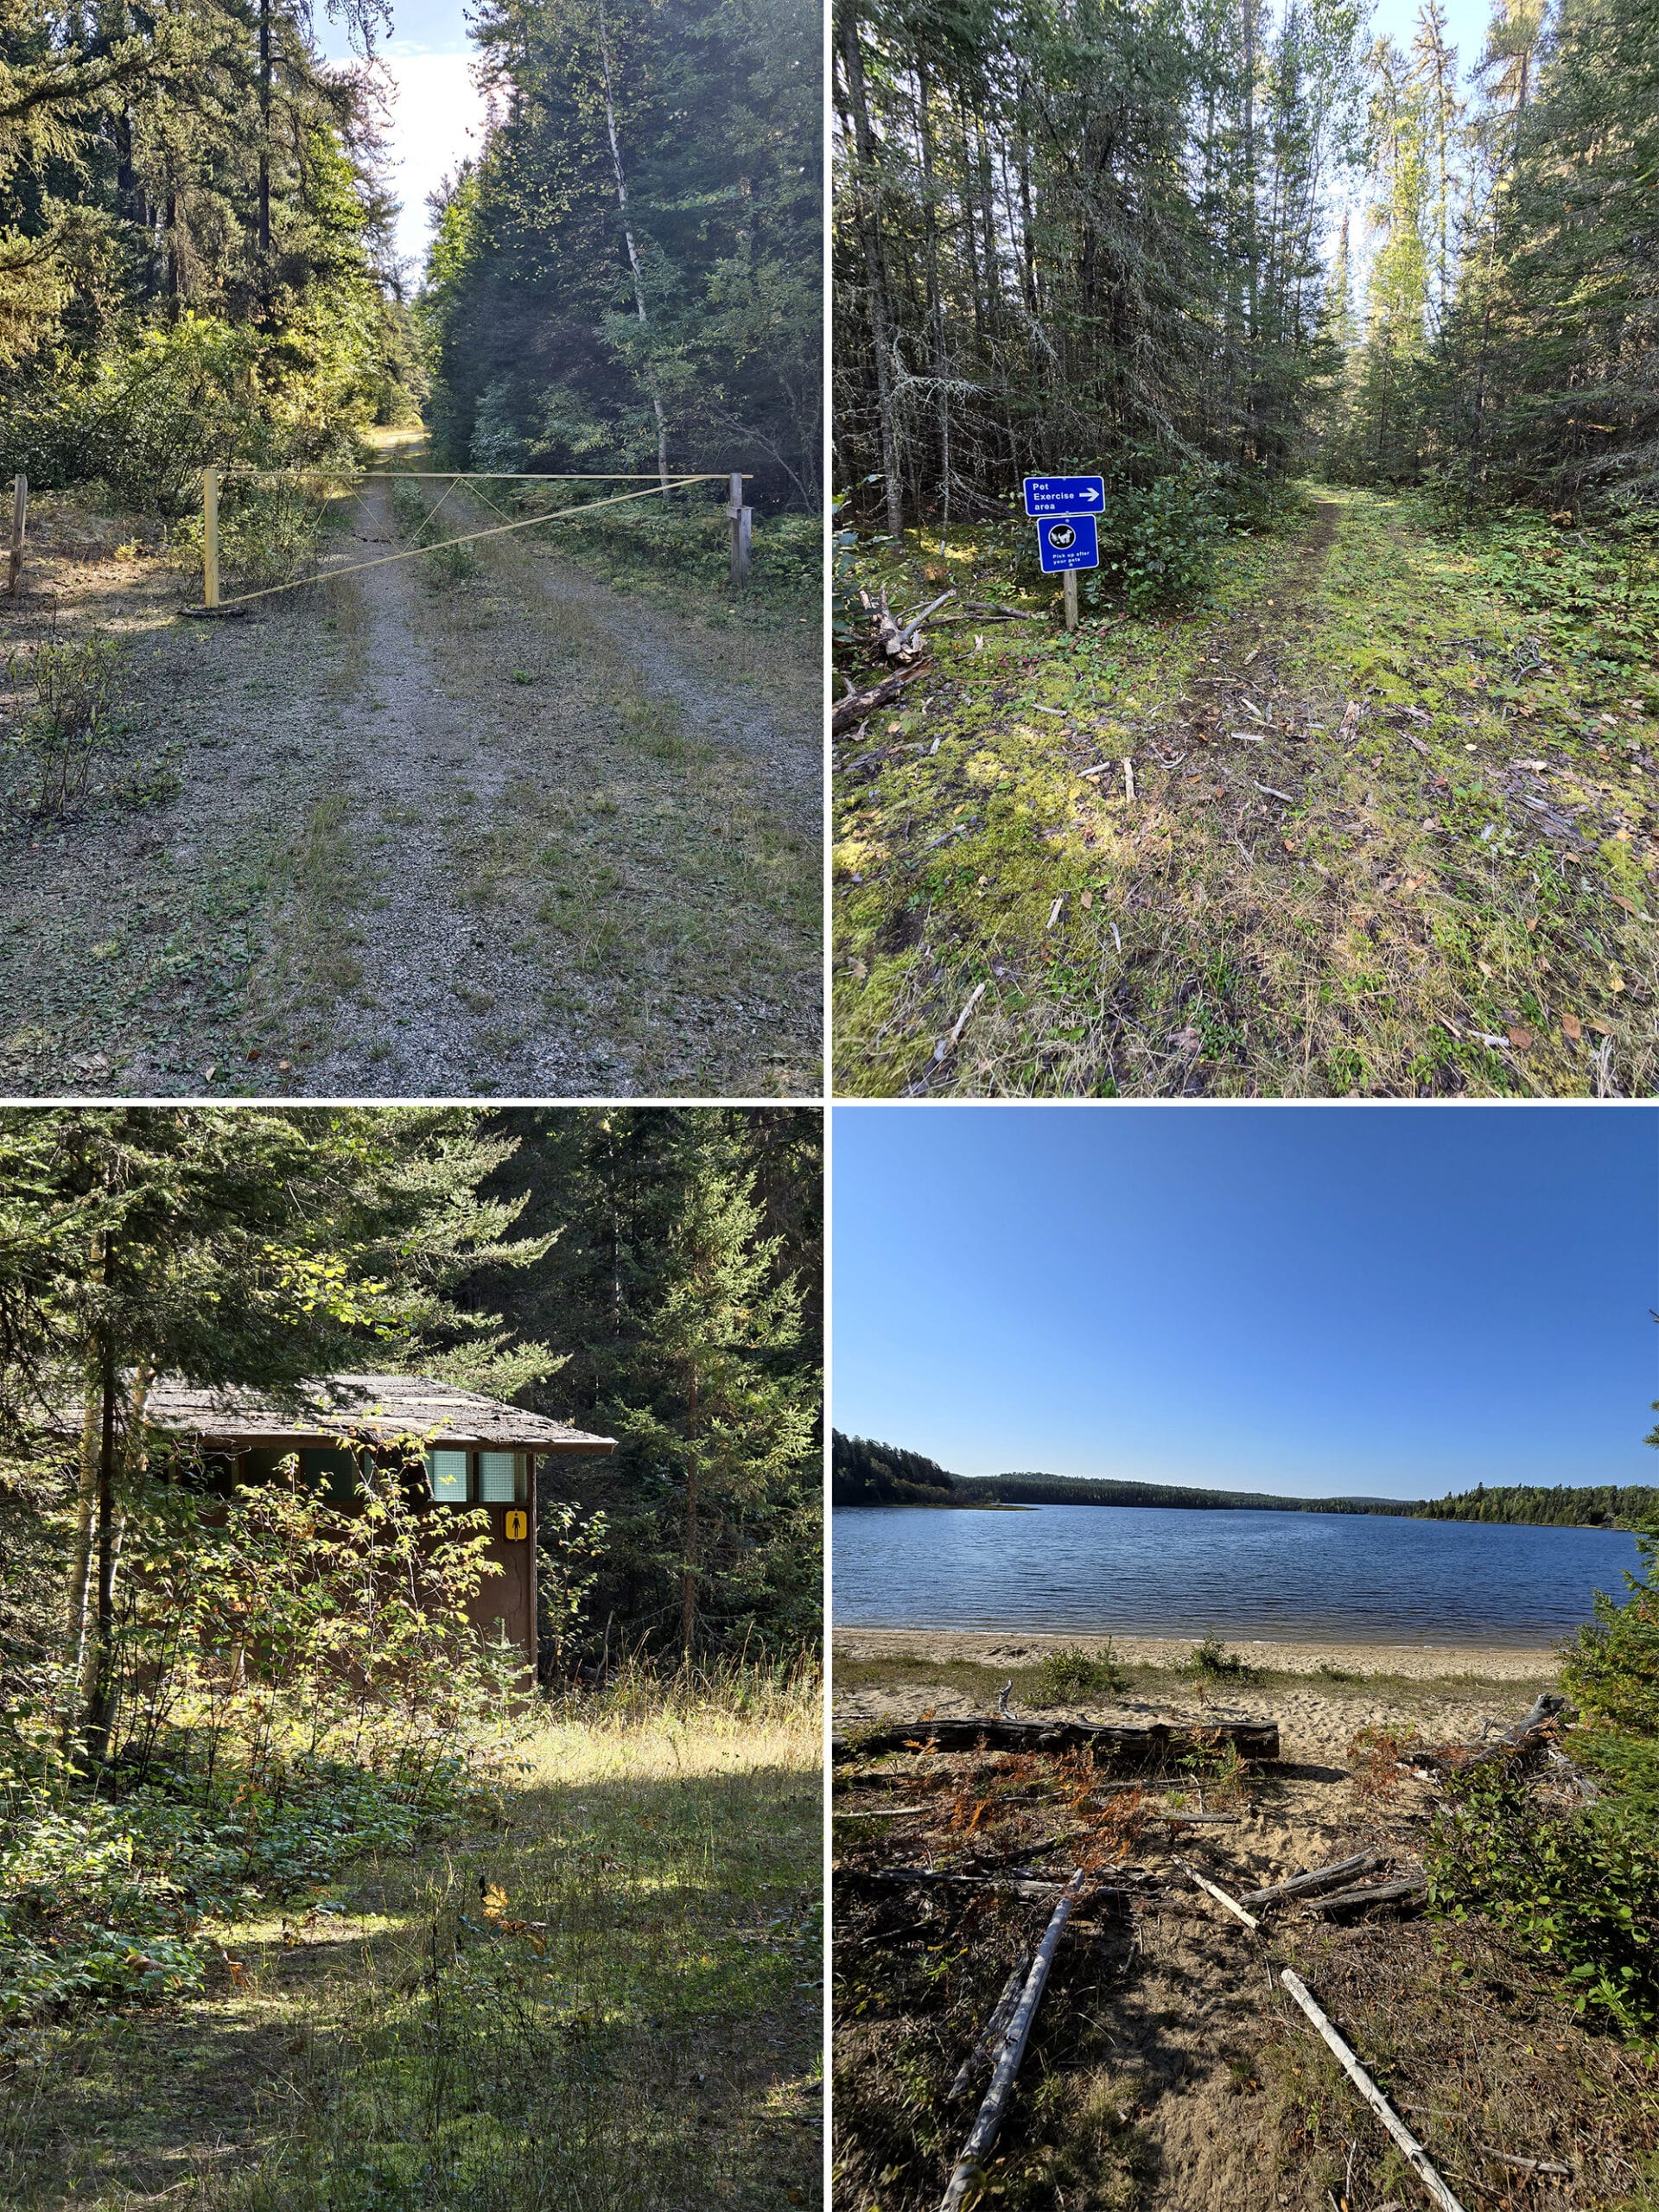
[{"x": 868, "y": 1473}]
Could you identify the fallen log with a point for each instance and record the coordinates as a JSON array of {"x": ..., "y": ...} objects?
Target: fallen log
[
  {"x": 877, "y": 1812},
  {"x": 855, "y": 708},
  {"x": 1019, "y": 1885},
  {"x": 1213, "y": 1888},
  {"x": 1317, "y": 1878},
  {"x": 1410, "y": 2149},
  {"x": 1253, "y": 1739},
  {"x": 1368, "y": 1893},
  {"x": 990, "y": 2036},
  {"x": 1524, "y": 2165},
  {"x": 1544, "y": 1712},
  {"x": 982, "y": 2135},
  {"x": 899, "y": 644}
]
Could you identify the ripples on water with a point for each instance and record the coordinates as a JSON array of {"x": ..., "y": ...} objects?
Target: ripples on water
[{"x": 1163, "y": 1570}]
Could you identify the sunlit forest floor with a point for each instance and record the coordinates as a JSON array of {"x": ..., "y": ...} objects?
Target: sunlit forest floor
[
  {"x": 606, "y": 2002},
  {"x": 1392, "y": 829},
  {"x": 499, "y": 820}
]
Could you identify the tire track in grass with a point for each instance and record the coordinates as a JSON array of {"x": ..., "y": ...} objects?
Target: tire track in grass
[
  {"x": 426, "y": 836},
  {"x": 1329, "y": 879}
]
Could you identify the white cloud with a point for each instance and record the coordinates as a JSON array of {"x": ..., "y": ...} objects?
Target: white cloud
[{"x": 436, "y": 120}]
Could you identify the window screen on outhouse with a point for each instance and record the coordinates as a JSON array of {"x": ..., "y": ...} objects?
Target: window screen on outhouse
[
  {"x": 497, "y": 1477},
  {"x": 447, "y": 1472}
]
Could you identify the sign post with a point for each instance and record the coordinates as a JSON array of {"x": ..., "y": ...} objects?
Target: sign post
[{"x": 1064, "y": 509}]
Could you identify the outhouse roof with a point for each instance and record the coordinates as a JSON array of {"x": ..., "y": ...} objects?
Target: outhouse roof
[{"x": 388, "y": 1405}]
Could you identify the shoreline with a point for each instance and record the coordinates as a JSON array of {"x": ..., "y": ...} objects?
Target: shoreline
[{"x": 1507, "y": 1662}]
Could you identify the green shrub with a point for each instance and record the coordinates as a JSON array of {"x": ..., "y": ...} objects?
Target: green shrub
[
  {"x": 1069, "y": 1674},
  {"x": 108, "y": 1899},
  {"x": 1577, "y": 1884},
  {"x": 1211, "y": 1661},
  {"x": 145, "y": 420},
  {"x": 1611, "y": 1667},
  {"x": 1163, "y": 542},
  {"x": 54, "y": 752},
  {"x": 1579, "y": 1887},
  {"x": 294, "y": 1685},
  {"x": 1250, "y": 501}
]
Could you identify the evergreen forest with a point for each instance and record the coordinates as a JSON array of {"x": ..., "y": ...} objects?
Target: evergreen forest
[
  {"x": 1173, "y": 239},
  {"x": 197, "y": 262},
  {"x": 868, "y": 1473}
]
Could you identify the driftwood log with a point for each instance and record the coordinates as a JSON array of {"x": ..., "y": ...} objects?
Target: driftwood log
[
  {"x": 1530, "y": 1732},
  {"x": 982, "y": 2135},
  {"x": 1214, "y": 1890},
  {"x": 1253, "y": 1739},
  {"x": 859, "y": 704},
  {"x": 1410, "y": 2149},
  {"x": 1410, "y": 1886},
  {"x": 1017, "y": 1884},
  {"x": 1317, "y": 1878}
]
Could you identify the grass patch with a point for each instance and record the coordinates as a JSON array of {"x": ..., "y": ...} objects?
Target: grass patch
[
  {"x": 1422, "y": 870},
  {"x": 603, "y": 1994}
]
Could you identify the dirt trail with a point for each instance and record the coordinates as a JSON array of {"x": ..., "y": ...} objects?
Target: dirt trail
[
  {"x": 787, "y": 746},
  {"x": 1361, "y": 825},
  {"x": 419, "y": 832},
  {"x": 437, "y": 989}
]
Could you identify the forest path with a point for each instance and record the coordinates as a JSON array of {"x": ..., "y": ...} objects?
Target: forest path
[
  {"x": 1384, "y": 832},
  {"x": 422, "y": 830}
]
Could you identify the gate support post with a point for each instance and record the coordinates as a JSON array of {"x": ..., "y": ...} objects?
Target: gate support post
[
  {"x": 210, "y": 536},
  {"x": 741, "y": 518}
]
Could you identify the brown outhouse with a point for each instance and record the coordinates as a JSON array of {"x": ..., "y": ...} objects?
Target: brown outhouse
[{"x": 479, "y": 1452}]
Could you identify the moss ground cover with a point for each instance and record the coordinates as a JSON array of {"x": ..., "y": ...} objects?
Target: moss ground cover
[{"x": 1388, "y": 825}]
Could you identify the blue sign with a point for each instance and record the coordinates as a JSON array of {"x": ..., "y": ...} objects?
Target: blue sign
[
  {"x": 1064, "y": 495},
  {"x": 1068, "y": 542}
]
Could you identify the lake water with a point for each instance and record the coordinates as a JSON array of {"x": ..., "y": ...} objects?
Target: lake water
[{"x": 1169, "y": 1570}]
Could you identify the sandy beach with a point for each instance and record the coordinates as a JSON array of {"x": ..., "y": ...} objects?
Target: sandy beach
[
  {"x": 1206, "y": 2086},
  {"x": 1025, "y": 1647},
  {"x": 1320, "y": 1694}
]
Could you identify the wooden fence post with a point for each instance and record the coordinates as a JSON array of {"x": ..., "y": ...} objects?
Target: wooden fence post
[
  {"x": 1070, "y": 599},
  {"x": 210, "y": 534},
  {"x": 19, "y": 517},
  {"x": 741, "y": 518}
]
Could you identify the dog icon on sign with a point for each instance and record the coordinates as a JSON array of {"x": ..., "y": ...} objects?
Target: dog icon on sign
[{"x": 517, "y": 1527}]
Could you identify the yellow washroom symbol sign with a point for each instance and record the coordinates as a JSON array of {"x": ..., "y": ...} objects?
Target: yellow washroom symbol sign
[{"x": 518, "y": 1527}]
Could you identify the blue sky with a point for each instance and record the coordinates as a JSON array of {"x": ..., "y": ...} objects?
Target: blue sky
[
  {"x": 1391, "y": 1301},
  {"x": 435, "y": 114}
]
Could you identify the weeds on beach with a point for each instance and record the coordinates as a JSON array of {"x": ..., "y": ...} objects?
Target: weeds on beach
[
  {"x": 1211, "y": 1661},
  {"x": 1070, "y": 1673}
]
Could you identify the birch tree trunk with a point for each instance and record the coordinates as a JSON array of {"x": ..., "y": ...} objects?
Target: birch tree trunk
[{"x": 652, "y": 384}]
